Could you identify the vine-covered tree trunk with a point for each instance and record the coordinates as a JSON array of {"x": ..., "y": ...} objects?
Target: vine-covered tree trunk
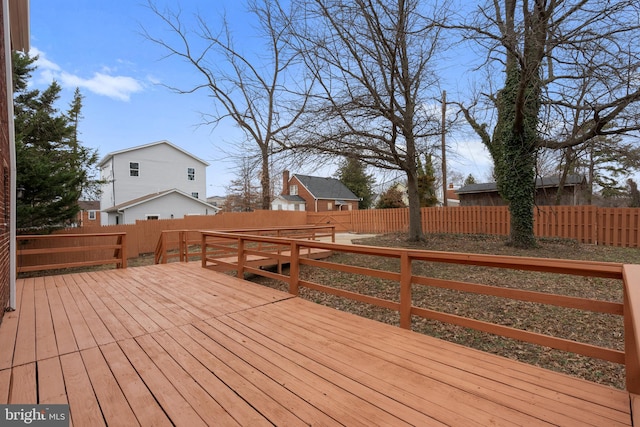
[{"x": 514, "y": 152}]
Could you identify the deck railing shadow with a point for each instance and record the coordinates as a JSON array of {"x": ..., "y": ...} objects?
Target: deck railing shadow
[{"x": 247, "y": 246}]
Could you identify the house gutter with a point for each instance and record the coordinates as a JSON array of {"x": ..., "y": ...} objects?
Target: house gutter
[{"x": 12, "y": 157}]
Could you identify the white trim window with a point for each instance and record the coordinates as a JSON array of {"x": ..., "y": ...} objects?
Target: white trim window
[
  {"x": 91, "y": 215},
  {"x": 293, "y": 190},
  {"x": 195, "y": 194},
  {"x": 134, "y": 169},
  {"x": 191, "y": 174}
]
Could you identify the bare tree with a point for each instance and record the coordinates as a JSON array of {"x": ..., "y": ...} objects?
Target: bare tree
[
  {"x": 569, "y": 70},
  {"x": 254, "y": 91},
  {"x": 373, "y": 60}
]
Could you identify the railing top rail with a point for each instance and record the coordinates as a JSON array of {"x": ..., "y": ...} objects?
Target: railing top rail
[
  {"x": 64, "y": 236},
  {"x": 243, "y": 230},
  {"x": 573, "y": 267}
]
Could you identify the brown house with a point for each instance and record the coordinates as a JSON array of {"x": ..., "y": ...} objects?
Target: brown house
[
  {"x": 18, "y": 18},
  {"x": 546, "y": 191},
  {"x": 89, "y": 213},
  {"x": 314, "y": 194}
]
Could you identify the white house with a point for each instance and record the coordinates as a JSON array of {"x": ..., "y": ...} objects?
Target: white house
[{"x": 152, "y": 181}]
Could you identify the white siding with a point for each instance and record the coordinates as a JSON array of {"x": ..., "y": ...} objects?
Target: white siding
[
  {"x": 161, "y": 167},
  {"x": 173, "y": 205}
]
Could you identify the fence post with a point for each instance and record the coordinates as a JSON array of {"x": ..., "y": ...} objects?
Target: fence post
[
  {"x": 294, "y": 269},
  {"x": 405, "y": 290}
]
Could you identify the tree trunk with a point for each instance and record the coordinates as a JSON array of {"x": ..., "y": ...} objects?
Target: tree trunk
[
  {"x": 265, "y": 178},
  {"x": 415, "y": 217}
]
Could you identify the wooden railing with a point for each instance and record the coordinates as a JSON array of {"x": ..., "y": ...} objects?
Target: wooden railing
[
  {"x": 184, "y": 245},
  {"x": 60, "y": 251},
  {"x": 247, "y": 245}
]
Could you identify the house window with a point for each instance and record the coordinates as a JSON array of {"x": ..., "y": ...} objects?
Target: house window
[
  {"x": 293, "y": 190},
  {"x": 134, "y": 169},
  {"x": 191, "y": 174},
  {"x": 92, "y": 215},
  {"x": 152, "y": 216},
  {"x": 296, "y": 207},
  {"x": 329, "y": 206},
  {"x": 194, "y": 194}
]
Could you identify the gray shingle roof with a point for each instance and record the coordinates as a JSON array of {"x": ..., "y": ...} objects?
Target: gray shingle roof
[
  {"x": 543, "y": 182},
  {"x": 326, "y": 188}
]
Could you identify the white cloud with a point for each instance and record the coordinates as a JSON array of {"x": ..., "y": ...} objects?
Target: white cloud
[
  {"x": 43, "y": 63},
  {"x": 116, "y": 87},
  {"x": 101, "y": 83}
]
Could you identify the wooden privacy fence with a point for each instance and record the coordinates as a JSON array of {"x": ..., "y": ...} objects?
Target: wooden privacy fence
[
  {"x": 143, "y": 235},
  {"x": 405, "y": 279},
  {"x": 57, "y": 251},
  {"x": 586, "y": 224}
]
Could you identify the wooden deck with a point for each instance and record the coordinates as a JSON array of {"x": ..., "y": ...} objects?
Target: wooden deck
[{"x": 179, "y": 344}]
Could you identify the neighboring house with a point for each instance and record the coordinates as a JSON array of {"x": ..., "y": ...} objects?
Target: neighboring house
[
  {"x": 217, "y": 201},
  {"x": 452, "y": 197},
  {"x": 167, "y": 204},
  {"x": 546, "y": 190},
  {"x": 314, "y": 194},
  {"x": 14, "y": 35},
  {"x": 150, "y": 182},
  {"x": 89, "y": 213}
]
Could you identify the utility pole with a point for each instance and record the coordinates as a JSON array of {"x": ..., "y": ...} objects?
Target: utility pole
[{"x": 444, "y": 150}]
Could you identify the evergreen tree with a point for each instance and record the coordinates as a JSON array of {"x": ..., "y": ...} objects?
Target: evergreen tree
[
  {"x": 352, "y": 174},
  {"x": 427, "y": 183},
  {"x": 52, "y": 166},
  {"x": 634, "y": 194},
  {"x": 469, "y": 180}
]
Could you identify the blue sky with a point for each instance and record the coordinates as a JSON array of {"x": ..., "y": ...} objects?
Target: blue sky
[{"x": 96, "y": 45}]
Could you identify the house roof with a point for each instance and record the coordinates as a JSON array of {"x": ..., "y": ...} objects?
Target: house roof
[
  {"x": 290, "y": 199},
  {"x": 325, "y": 188},
  {"x": 154, "y": 196},
  {"x": 89, "y": 205},
  {"x": 140, "y": 147},
  {"x": 542, "y": 182},
  {"x": 19, "y": 24}
]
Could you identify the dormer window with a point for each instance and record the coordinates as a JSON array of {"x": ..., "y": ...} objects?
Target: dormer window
[
  {"x": 134, "y": 169},
  {"x": 191, "y": 174}
]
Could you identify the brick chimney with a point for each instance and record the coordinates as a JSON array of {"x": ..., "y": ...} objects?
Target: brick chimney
[{"x": 285, "y": 183}]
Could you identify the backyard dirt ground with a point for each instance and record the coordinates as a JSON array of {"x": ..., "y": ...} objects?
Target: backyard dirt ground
[{"x": 598, "y": 329}]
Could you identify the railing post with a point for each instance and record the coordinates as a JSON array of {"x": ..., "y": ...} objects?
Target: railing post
[
  {"x": 182, "y": 246},
  {"x": 405, "y": 290},
  {"x": 294, "y": 269},
  {"x": 164, "y": 248},
  {"x": 240, "y": 274},
  {"x": 123, "y": 250},
  {"x": 631, "y": 283},
  {"x": 203, "y": 250}
]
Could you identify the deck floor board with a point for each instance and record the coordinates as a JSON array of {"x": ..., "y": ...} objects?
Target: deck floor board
[{"x": 176, "y": 344}]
